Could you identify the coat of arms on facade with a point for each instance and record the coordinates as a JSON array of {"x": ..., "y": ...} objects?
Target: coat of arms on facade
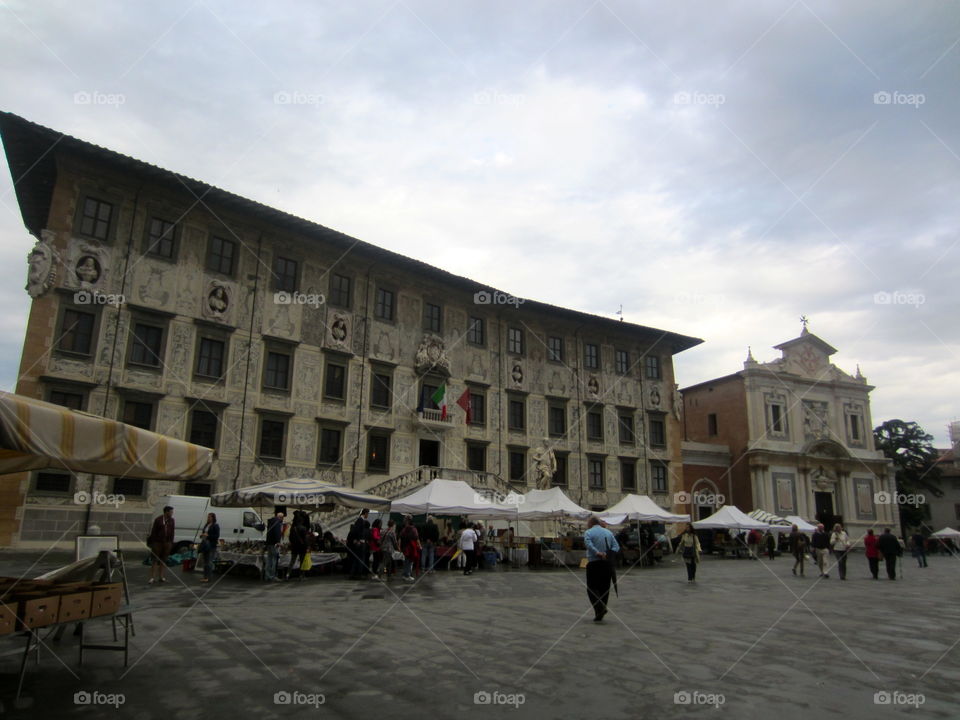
[
  {"x": 42, "y": 265},
  {"x": 815, "y": 422},
  {"x": 432, "y": 356},
  {"x": 655, "y": 396}
]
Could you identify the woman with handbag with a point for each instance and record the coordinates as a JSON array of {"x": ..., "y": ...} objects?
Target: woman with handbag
[
  {"x": 689, "y": 548},
  {"x": 410, "y": 545},
  {"x": 840, "y": 544},
  {"x": 299, "y": 539},
  {"x": 388, "y": 548},
  {"x": 210, "y": 540}
]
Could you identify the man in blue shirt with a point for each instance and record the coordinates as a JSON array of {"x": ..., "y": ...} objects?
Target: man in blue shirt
[{"x": 601, "y": 548}]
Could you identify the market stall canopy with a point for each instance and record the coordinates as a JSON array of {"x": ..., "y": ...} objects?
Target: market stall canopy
[
  {"x": 947, "y": 532},
  {"x": 767, "y": 517},
  {"x": 552, "y": 503},
  {"x": 452, "y": 497},
  {"x": 729, "y": 517},
  {"x": 35, "y": 435},
  {"x": 802, "y": 525},
  {"x": 640, "y": 508},
  {"x": 299, "y": 493}
]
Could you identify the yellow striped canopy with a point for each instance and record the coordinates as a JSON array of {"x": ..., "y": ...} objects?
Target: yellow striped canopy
[{"x": 35, "y": 435}]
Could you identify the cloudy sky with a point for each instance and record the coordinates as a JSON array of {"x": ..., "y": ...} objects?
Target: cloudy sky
[{"x": 718, "y": 169}]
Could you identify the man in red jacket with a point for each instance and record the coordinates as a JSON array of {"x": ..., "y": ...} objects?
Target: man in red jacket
[
  {"x": 870, "y": 542},
  {"x": 161, "y": 543}
]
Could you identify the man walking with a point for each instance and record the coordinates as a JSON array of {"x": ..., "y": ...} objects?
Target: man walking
[
  {"x": 359, "y": 554},
  {"x": 161, "y": 543},
  {"x": 601, "y": 545},
  {"x": 890, "y": 548},
  {"x": 840, "y": 544},
  {"x": 273, "y": 540},
  {"x": 430, "y": 538},
  {"x": 468, "y": 540},
  {"x": 821, "y": 547},
  {"x": 919, "y": 543}
]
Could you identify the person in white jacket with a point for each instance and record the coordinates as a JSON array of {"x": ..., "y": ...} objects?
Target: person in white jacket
[{"x": 840, "y": 545}]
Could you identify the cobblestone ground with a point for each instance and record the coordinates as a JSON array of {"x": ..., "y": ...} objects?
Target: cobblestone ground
[{"x": 747, "y": 640}]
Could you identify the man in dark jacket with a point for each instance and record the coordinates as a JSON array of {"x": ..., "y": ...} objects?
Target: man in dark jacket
[
  {"x": 161, "y": 543},
  {"x": 430, "y": 537},
  {"x": 821, "y": 548},
  {"x": 357, "y": 546},
  {"x": 273, "y": 540},
  {"x": 890, "y": 548}
]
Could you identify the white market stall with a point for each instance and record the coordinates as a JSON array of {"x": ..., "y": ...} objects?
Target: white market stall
[
  {"x": 452, "y": 497},
  {"x": 734, "y": 521}
]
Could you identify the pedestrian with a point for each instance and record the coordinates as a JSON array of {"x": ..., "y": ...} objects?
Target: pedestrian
[
  {"x": 273, "y": 540},
  {"x": 840, "y": 545},
  {"x": 299, "y": 542},
  {"x": 601, "y": 546},
  {"x": 388, "y": 546},
  {"x": 821, "y": 547},
  {"x": 209, "y": 542},
  {"x": 468, "y": 541},
  {"x": 753, "y": 540},
  {"x": 430, "y": 538},
  {"x": 919, "y": 543},
  {"x": 357, "y": 545},
  {"x": 872, "y": 551},
  {"x": 689, "y": 549},
  {"x": 160, "y": 542},
  {"x": 771, "y": 545},
  {"x": 798, "y": 546},
  {"x": 890, "y": 548},
  {"x": 410, "y": 547},
  {"x": 376, "y": 549}
]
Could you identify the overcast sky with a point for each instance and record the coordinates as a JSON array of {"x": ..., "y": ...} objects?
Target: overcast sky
[{"x": 718, "y": 169}]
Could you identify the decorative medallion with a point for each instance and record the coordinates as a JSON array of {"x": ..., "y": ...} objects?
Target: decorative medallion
[{"x": 42, "y": 265}]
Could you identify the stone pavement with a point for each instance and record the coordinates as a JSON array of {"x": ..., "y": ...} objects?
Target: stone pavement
[{"x": 748, "y": 640}]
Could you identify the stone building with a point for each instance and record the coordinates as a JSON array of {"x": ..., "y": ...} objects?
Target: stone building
[
  {"x": 296, "y": 350},
  {"x": 945, "y": 509},
  {"x": 798, "y": 433}
]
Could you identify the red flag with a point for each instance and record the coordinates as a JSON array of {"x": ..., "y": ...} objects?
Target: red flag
[{"x": 464, "y": 402}]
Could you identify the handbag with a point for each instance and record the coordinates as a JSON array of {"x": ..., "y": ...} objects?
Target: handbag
[
  {"x": 397, "y": 555},
  {"x": 688, "y": 552},
  {"x": 307, "y": 562}
]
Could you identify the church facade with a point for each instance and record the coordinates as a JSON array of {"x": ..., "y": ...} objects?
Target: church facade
[
  {"x": 294, "y": 350},
  {"x": 798, "y": 431}
]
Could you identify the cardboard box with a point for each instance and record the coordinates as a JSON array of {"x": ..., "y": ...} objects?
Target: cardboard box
[
  {"x": 75, "y": 606},
  {"x": 106, "y": 599},
  {"x": 38, "y": 609},
  {"x": 8, "y": 618}
]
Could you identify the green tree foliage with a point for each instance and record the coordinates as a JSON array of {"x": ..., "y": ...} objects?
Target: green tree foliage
[{"x": 914, "y": 460}]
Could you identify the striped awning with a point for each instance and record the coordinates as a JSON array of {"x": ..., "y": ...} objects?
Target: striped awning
[
  {"x": 303, "y": 493},
  {"x": 35, "y": 435},
  {"x": 767, "y": 517}
]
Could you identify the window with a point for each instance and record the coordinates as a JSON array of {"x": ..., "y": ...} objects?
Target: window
[
  {"x": 331, "y": 440},
  {"x": 516, "y": 413},
  {"x": 475, "y": 334},
  {"x": 210, "y": 356},
  {"x": 146, "y": 347},
  {"x": 560, "y": 475},
  {"x": 658, "y": 477},
  {"x": 594, "y": 424},
  {"x": 128, "y": 486},
  {"x": 956, "y": 510},
  {"x": 335, "y": 380},
  {"x": 196, "y": 489},
  {"x": 221, "y": 255},
  {"x": 284, "y": 274},
  {"x": 591, "y": 356},
  {"x": 595, "y": 473},
  {"x": 276, "y": 374},
  {"x": 71, "y": 400},
  {"x": 478, "y": 408},
  {"x": 95, "y": 217},
  {"x": 138, "y": 413},
  {"x": 518, "y": 465},
  {"x": 557, "y": 420},
  {"x": 340, "y": 295},
  {"x": 380, "y": 389},
  {"x": 555, "y": 349},
  {"x": 428, "y": 387},
  {"x": 622, "y": 362},
  {"x": 431, "y": 317},
  {"x": 76, "y": 332},
  {"x": 854, "y": 427},
  {"x": 272, "y": 433},
  {"x": 161, "y": 239},
  {"x": 476, "y": 457},
  {"x": 712, "y": 424},
  {"x": 658, "y": 432},
  {"x": 652, "y": 365},
  {"x": 203, "y": 428},
  {"x": 378, "y": 453},
  {"x": 53, "y": 482},
  {"x": 515, "y": 340},
  {"x": 776, "y": 418},
  {"x": 625, "y": 424},
  {"x": 628, "y": 474},
  {"x": 383, "y": 308}
]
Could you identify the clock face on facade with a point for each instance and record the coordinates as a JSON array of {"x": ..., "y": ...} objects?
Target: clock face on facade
[{"x": 808, "y": 360}]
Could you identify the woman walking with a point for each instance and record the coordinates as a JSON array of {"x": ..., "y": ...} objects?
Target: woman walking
[
  {"x": 208, "y": 545},
  {"x": 771, "y": 544},
  {"x": 798, "y": 546},
  {"x": 375, "y": 537},
  {"x": 388, "y": 546},
  {"x": 299, "y": 539},
  {"x": 872, "y": 551},
  {"x": 840, "y": 545},
  {"x": 410, "y": 546},
  {"x": 689, "y": 549}
]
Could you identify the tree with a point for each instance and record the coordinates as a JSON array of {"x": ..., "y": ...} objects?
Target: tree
[{"x": 915, "y": 462}]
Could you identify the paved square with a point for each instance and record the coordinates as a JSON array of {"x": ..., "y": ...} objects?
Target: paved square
[{"x": 748, "y": 640}]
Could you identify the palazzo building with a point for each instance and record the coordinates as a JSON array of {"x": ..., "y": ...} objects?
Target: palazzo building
[{"x": 294, "y": 350}]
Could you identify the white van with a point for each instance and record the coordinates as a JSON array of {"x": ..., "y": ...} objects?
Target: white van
[{"x": 190, "y": 515}]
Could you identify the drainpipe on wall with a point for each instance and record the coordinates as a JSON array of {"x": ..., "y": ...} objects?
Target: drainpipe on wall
[
  {"x": 579, "y": 413},
  {"x": 246, "y": 373},
  {"x": 500, "y": 397},
  {"x": 363, "y": 372}
]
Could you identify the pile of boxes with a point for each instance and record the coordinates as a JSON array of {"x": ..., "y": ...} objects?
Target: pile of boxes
[{"x": 29, "y": 604}]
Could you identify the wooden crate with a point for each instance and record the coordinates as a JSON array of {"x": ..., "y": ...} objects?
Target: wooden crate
[
  {"x": 38, "y": 609},
  {"x": 75, "y": 606},
  {"x": 8, "y": 618},
  {"x": 106, "y": 599}
]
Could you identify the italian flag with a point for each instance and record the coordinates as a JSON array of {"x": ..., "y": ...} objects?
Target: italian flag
[{"x": 440, "y": 399}]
